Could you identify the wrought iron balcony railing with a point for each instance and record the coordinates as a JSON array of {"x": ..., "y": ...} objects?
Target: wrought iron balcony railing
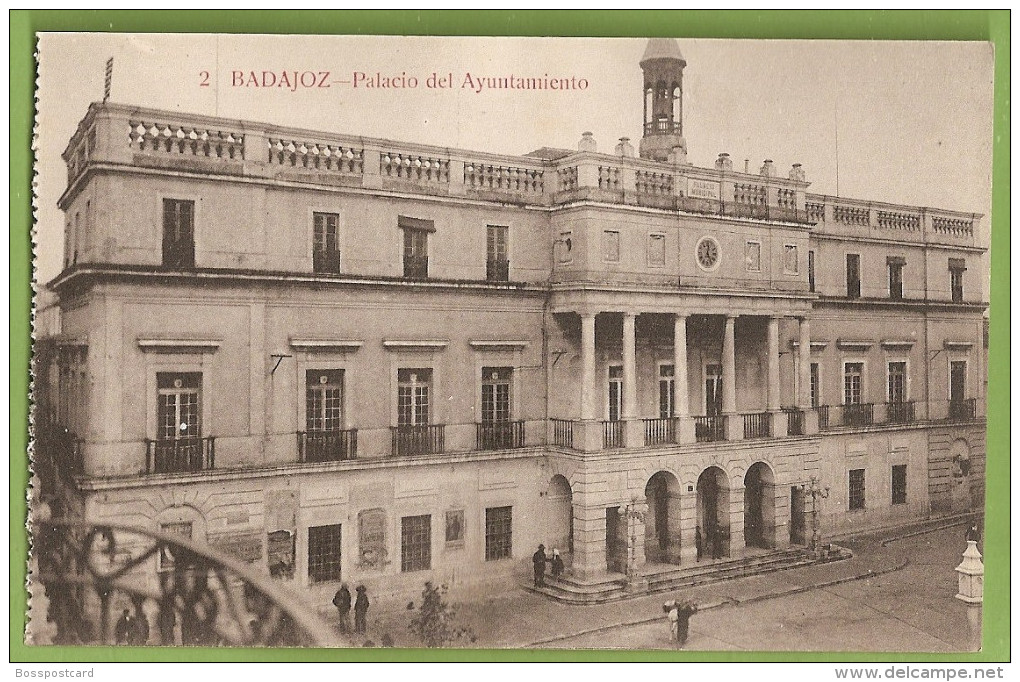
[
  {"x": 612, "y": 434},
  {"x": 758, "y": 425},
  {"x": 417, "y": 440},
  {"x": 823, "y": 417},
  {"x": 326, "y": 262},
  {"x": 563, "y": 432},
  {"x": 86, "y": 576},
  {"x": 962, "y": 410},
  {"x": 710, "y": 429},
  {"x": 660, "y": 431},
  {"x": 858, "y": 414},
  {"x": 181, "y": 455},
  {"x": 416, "y": 267},
  {"x": 497, "y": 270},
  {"x": 899, "y": 413},
  {"x": 794, "y": 421},
  {"x": 327, "y": 446},
  {"x": 499, "y": 435}
]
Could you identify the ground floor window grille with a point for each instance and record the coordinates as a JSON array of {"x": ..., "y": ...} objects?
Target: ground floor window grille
[
  {"x": 856, "y": 499},
  {"x": 416, "y": 543},
  {"x": 324, "y": 553},
  {"x": 498, "y": 533}
]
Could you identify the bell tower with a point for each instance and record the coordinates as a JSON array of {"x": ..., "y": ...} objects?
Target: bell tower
[{"x": 663, "y": 68}]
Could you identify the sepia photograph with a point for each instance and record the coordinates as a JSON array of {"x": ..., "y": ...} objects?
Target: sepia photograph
[{"x": 510, "y": 343}]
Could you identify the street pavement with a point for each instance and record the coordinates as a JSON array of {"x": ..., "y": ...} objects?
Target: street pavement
[{"x": 896, "y": 595}]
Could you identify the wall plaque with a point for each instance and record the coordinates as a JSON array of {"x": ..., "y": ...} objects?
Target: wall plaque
[
  {"x": 702, "y": 189},
  {"x": 372, "y": 538}
]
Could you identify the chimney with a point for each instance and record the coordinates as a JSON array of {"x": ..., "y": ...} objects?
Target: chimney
[
  {"x": 797, "y": 173},
  {"x": 724, "y": 162},
  {"x": 747, "y": 165},
  {"x": 587, "y": 143},
  {"x": 767, "y": 169},
  {"x": 625, "y": 148}
]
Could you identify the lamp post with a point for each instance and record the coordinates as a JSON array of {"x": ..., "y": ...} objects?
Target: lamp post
[{"x": 817, "y": 493}]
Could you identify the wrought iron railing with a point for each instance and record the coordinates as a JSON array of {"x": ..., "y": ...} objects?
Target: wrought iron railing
[
  {"x": 858, "y": 414},
  {"x": 416, "y": 267},
  {"x": 327, "y": 446},
  {"x": 794, "y": 421},
  {"x": 899, "y": 413},
  {"x": 710, "y": 429},
  {"x": 962, "y": 410},
  {"x": 823, "y": 417},
  {"x": 499, "y": 435},
  {"x": 181, "y": 455},
  {"x": 758, "y": 425},
  {"x": 563, "y": 432},
  {"x": 612, "y": 434},
  {"x": 418, "y": 440},
  {"x": 660, "y": 431},
  {"x": 98, "y": 584},
  {"x": 497, "y": 270},
  {"x": 326, "y": 262}
]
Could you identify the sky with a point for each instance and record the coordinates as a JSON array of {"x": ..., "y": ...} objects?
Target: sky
[{"x": 912, "y": 121}]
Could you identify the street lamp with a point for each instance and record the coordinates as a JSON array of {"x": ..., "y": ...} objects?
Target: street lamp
[{"x": 817, "y": 493}]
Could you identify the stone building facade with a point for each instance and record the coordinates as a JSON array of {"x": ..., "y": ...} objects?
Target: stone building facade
[{"x": 347, "y": 358}]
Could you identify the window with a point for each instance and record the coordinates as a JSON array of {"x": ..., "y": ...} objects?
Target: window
[
  {"x": 897, "y": 382},
  {"x": 615, "y": 392},
  {"x": 856, "y": 498},
  {"x": 178, "y": 233},
  {"x": 656, "y": 249},
  {"x": 565, "y": 246},
  {"x": 957, "y": 266},
  {"x": 416, "y": 246},
  {"x": 816, "y": 385},
  {"x": 791, "y": 264},
  {"x": 416, "y": 543},
  {"x": 899, "y": 484},
  {"x": 178, "y": 410},
  {"x": 811, "y": 270},
  {"x": 497, "y": 267},
  {"x": 713, "y": 390},
  {"x": 895, "y": 264},
  {"x": 166, "y": 557},
  {"x": 326, "y": 244},
  {"x": 957, "y": 381},
  {"x": 753, "y": 256},
  {"x": 611, "y": 246},
  {"x": 324, "y": 553},
  {"x": 496, "y": 394},
  {"x": 853, "y": 275},
  {"x": 498, "y": 533},
  {"x": 77, "y": 238},
  {"x": 666, "y": 391},
  {"x": 324, "y": 400},
  {"x": 413, "y": 389},
  {"x": 853, "y": 383}
]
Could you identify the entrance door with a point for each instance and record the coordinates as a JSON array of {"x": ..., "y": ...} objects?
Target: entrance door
[
  {"x": 798, "y": 527},
  {"x": 713, "y": 514},
  {"x": 614, "y": 552}
]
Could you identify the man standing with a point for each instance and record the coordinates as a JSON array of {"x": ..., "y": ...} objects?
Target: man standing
[
  {"x": 538, "y": 560},
  {"x": 342, "y": 602},
  {"x": 360, "y": 609}
]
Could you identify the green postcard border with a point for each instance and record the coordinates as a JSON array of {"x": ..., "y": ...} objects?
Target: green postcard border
[{"x": 982, "y": 25}]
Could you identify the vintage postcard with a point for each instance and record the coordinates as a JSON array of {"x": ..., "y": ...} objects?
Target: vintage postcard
[{"x": 510, "y": 343}]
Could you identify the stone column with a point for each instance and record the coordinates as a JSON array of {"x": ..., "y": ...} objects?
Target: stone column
[
  {"x": 588, "y": 393},
  {"x": 734, "y": 424},
  {"x": 688, "y": 527},
  {"x": 632, "y": 434},
  {"x": 681, "y": 388},
  {"x": 736, "y": 521},
  {"x": 589, "y": 558},
  {"x": 804, "y": 399},
  {"x": 774, "y": 400}
]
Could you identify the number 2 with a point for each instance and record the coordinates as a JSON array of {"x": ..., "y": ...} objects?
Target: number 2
[{"x": 205, "y": 79}]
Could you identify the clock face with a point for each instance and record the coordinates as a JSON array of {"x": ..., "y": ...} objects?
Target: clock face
[{"x": 708, "y": 253}]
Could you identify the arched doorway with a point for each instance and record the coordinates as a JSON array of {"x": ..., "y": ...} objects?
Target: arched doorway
[
  {"x": 559, "y": 515},
  {"x": 662, "y": 522},
  {"x": 713, "y": 514},
  {"x": 760, "y": 506}
]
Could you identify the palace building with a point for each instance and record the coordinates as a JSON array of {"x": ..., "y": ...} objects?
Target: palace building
[{"x": 343, "y": 358}]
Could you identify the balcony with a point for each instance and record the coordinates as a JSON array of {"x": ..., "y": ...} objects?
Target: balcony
[
  {"x": 563, "y": 433},
  {"x": 660, "y": 431},
  {"x": 710, "y": 429},
  {"x": 794, "y": 421},
  {"x": 962, "y": 410},
  {"x": 823, "y": 417},
  {"x": 858, "y": 414},
  {"x": 327, "y": 446},
  {"x": 326, "y": 262},
  {"x": 757, "y": 425},
  {"x": 416, "y": 267},
  {"x": 612, "y": 434},
  {"x": 182, "y": 455},
  {"x": 499, "y": 435},
  {"x": 417, "y": 440},
  {"x": 497, "y": 270},
  {"x": 899, "y": 413}
]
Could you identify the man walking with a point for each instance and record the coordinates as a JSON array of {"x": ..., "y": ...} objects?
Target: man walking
[{"x": 538, "y": 560}]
